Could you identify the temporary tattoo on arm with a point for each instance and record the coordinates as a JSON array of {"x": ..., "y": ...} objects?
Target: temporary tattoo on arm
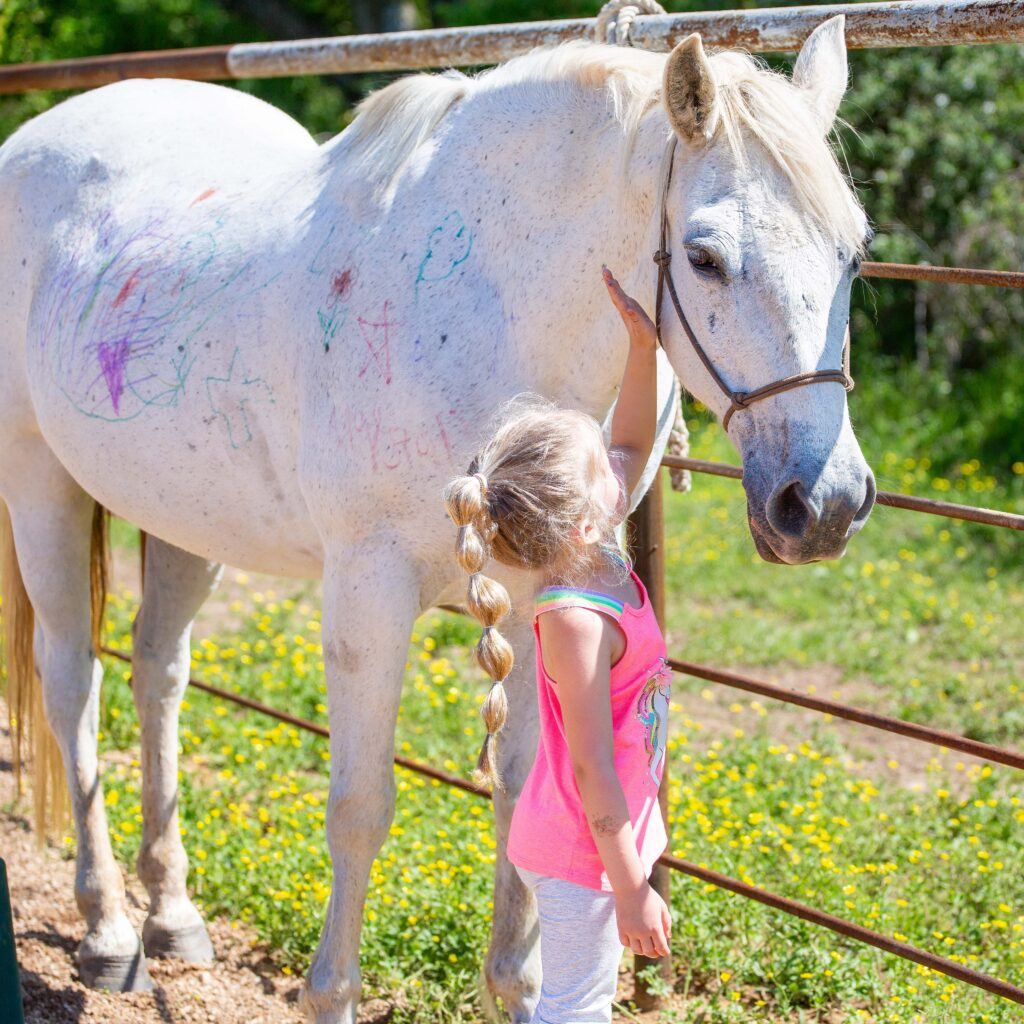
[{"x": 606, "y": 825}]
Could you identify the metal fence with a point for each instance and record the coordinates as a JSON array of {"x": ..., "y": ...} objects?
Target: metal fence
[{"x": 891, "y": 24}]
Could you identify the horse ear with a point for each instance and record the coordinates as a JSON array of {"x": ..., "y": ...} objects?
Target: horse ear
[
  {"x": 688, "y": 89},
  {"x": 820, "y": 69}
]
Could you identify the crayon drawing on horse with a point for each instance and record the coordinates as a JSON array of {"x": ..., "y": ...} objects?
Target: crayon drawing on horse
[{"x": 274, "y": 354}]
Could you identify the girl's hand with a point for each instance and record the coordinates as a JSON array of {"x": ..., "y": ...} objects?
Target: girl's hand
[
  {"x": 644, "y": 922},
  {"x": 638, "y": 323}
]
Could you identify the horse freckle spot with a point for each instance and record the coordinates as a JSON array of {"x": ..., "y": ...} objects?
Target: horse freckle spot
[{"x": 444, "y": 338}]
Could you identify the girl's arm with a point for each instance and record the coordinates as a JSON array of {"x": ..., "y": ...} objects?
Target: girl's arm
[
  {"x": 577, "y": 653},
  {"x": 635, "y": 421}
]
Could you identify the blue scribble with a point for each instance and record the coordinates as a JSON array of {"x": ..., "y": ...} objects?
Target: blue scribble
[{"x": 448, "y": 247}]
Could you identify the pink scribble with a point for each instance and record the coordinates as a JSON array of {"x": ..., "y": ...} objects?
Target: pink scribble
[
  {"x": 126, "y": 289},
  {"x": 377, "y": 336},
  {"x": 202, "y": 195},
  {"x": 393, "y": 445},
  {"x": 112, "y": 358},
  {"x": 341, "y": 284}
]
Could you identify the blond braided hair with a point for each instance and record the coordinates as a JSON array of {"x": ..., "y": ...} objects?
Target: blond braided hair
[{"x": 465, "y": 499}]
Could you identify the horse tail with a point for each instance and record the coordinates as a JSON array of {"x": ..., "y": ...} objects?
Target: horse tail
[
  {"x": 99, "y": 573},
  {"x": 32, "y": 739}
]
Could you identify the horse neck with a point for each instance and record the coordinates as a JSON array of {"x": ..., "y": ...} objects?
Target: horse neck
[{"x": 563, "y": 207}]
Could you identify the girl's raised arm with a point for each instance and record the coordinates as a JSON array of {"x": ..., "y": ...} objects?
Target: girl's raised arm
[{"x": 635, "y": 422}]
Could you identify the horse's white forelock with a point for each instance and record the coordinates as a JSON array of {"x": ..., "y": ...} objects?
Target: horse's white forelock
[{"x": 752, "y": 104}]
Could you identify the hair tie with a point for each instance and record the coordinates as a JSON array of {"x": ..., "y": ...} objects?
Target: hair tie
[{"x": 482, "y": 480}]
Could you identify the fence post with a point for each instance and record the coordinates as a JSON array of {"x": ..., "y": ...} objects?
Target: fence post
[
  {"x": 10, "y": 983},
  {"x": 648, "y": 550}
]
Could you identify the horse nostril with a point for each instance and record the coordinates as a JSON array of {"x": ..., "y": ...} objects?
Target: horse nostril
[
  {"x": 865, "y": 509},
  {"x": 790, "y": 511}
]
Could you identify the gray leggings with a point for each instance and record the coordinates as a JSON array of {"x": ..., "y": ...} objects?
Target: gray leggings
[{"x": 580, "y": 951}]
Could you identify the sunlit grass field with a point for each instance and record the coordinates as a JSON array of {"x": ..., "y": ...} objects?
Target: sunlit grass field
[{"x": 922, "y": 619}]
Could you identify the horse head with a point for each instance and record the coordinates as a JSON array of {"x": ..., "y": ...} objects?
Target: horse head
[{"x": 767, "y": 236}]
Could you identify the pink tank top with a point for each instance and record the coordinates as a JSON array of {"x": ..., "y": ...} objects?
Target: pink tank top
[{"x": 549, "y": 832}]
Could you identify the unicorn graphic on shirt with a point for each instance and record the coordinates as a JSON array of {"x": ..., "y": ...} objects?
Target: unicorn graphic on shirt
[{"x": 652, "y": 712}]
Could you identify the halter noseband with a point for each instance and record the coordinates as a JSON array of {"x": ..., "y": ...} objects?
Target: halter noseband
[{"x": 737, "y": 399}]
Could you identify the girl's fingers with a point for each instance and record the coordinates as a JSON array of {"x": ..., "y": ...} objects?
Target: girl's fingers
[
  {"x": 629, "y": 309},
  {"x": 619, "y": 297}
]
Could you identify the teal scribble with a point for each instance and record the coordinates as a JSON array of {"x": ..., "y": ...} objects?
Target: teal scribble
[
  {"x": 317, "y": 265},
  {"x": 229, "y": 397},
  {"x": 448, "y": 247},
  {"x": 330, "y": 323}
]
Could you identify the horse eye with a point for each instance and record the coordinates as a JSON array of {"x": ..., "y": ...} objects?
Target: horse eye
[{"x": 703, "y": 261}]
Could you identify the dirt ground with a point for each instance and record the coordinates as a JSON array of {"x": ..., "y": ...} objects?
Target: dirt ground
[{"x": 242, "y": 987}]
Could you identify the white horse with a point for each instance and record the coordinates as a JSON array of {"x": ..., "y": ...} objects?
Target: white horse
[{"x": 274, "y": 354}]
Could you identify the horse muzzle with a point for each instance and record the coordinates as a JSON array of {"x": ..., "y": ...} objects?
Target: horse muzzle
[{"x": 803, "y": 519}]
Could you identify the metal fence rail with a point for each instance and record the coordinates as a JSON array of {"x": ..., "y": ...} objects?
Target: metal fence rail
[
  {"x": 910, "y": 502},
  {"x": 796, "y": 909},
  {"x": 897, "y": 23},
  {"x": 943, "y": 275}
]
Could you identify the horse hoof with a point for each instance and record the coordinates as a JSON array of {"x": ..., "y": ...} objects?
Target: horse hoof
[
  {"x": 116, "y": 973},
  {"x": 191, "y": 944}
]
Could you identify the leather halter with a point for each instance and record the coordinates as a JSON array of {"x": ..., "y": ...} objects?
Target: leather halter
[{"x": 737, "y": 399}]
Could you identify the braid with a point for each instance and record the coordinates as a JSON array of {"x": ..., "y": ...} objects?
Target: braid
[{"x": 465, "y": 499}]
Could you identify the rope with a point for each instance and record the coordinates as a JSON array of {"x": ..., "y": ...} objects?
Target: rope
[
  {"x": 679, "y": 447},
  {"x": 616, "y": 18}
]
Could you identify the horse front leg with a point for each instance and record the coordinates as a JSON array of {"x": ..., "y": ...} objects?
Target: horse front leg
[
  {"x": 176, "y": 585},
  {"x": 371, "y": 600},
  {"x": 512, "y": 965}
]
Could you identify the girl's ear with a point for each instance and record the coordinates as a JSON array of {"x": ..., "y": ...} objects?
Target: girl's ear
[{"x": 589, "y": 533}]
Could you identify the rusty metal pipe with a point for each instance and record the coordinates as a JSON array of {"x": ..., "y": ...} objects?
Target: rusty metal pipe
[
  {"x": 853, "y": 931},
  {"x": 897, "y": 23},
  {"x": 922, "y": 733},
  {"x": 315, "y": 728},
  {"x": 943, "y": 275},
  {"x": 949, "y": 509}
]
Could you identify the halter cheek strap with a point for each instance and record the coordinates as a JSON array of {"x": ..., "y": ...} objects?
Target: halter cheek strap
[{"x": 737, "y": 399}]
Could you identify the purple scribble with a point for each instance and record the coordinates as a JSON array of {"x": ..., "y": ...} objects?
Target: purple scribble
[{"x": 113, "y": 357}]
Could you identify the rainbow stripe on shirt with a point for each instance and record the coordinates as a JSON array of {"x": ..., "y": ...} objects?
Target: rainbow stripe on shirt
[{"x": 565, "y": 597}]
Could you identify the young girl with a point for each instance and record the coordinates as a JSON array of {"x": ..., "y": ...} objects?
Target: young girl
[{"x": 545, "y": 494}]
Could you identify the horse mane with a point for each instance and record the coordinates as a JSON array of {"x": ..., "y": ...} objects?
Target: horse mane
[{"x": 754, "y": 104}]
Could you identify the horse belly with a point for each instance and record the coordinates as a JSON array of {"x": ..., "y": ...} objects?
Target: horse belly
[{"x": 175, "y": 481}]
